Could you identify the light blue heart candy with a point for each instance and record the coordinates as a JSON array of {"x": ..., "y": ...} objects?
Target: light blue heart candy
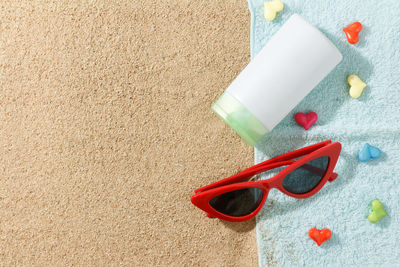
[
  {"x": 368, "y": 152},
  {"x": 374, "y": 152},
  {"x": 364, "y": 155}
]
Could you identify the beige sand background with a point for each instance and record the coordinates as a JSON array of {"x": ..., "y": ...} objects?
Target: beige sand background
[{"x": 106, "y": 130}]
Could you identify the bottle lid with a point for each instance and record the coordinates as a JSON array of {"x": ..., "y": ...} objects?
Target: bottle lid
[{"x": 239, "y": 118}]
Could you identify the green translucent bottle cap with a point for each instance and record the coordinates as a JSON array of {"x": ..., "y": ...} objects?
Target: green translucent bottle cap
[{"x": 239, "y": 118}]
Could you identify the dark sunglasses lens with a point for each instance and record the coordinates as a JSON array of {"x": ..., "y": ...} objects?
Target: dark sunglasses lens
[
  {"x": 239, "y": 202},
  {"x": 306, "y": 177}
]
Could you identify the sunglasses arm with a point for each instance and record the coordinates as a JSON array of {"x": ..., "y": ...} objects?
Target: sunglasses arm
[
  {"x": 285, "y": 159},
  {"x": 259, "y": 168},
  {"x": 299, "y": 152},
  {"x": 244, "y": 175}
]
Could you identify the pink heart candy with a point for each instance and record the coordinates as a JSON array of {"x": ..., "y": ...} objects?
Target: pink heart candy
[{"x": 306, "y": 120}]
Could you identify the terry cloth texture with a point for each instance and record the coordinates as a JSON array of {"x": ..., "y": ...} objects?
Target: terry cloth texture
[
  {"x": 342, "y": 206},
  {"x": 106, "y": 129}
]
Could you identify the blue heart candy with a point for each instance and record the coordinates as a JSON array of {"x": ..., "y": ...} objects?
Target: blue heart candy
[{"x": 369, "y": 152}]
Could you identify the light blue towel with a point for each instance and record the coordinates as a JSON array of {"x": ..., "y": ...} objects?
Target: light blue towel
[{"x": 344, "y": 205}]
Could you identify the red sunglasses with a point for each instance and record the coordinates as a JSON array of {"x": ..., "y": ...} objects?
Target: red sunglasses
[{"x": 306, "y": 172}]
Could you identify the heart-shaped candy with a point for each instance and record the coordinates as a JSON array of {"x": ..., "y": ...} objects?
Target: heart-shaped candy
[
  {"x": 369, "y": 152},
  {"x": 319, "y": 236},
  {"x": 352, "y": 31},
  {"x": 306, "y": 120},
  {"x": 271, "y": 8},
  {"x": 356, "y": 86},
  {"x": 377, "y": 211}
]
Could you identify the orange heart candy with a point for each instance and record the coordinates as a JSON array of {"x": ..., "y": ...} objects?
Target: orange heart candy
[
  {"x": 319, "y": 236},
  {"x": 352, "y": 31}
]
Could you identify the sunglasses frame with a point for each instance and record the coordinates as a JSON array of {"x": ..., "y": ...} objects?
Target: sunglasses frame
[{"x": 203, "y": 195}]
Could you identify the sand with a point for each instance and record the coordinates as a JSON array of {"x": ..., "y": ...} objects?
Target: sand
[{"x": 106, "y": 130}]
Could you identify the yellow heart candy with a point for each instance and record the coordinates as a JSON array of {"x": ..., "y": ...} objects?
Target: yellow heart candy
[
  {"x": 270, "y": 9},
  {"x": 356, "y": 86}
]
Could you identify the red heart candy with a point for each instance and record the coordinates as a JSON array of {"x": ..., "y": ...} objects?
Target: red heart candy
[
  {"x": 306, "y": 120},
  {"x": 319, "y": 236},
  {"x": 352, "y": 31}
]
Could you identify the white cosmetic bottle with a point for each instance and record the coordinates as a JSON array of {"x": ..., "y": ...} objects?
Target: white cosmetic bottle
[{"x": 289, "y": 66}]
